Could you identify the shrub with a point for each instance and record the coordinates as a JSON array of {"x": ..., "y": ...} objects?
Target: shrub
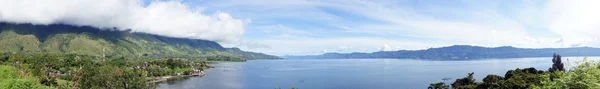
[
  {"x": 22, "y": 84},
  {"x": 439, "y": 85},
  {"x": 491, "y": 78},
  {"x": 584, "y": 76},
  {"x": 8, "y": 72}
]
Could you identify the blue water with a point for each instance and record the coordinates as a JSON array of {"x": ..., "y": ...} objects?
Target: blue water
[{"x": 349, "y": 73}]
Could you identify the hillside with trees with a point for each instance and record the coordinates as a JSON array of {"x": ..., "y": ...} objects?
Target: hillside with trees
[
  {"x": 74, "y": 71},
  {"x": 111, "y": 43}
]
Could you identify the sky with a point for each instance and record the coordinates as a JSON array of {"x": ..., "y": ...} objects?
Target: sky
[{"x": 308, "y": 27}]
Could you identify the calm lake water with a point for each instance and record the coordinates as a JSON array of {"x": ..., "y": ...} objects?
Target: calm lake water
[{"x": 350, "y": 73}]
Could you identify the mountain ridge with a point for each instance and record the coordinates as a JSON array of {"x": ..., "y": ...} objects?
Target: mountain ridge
[
  {"x": 459, "y": 52},
  {"x": 110, "y": 42}
]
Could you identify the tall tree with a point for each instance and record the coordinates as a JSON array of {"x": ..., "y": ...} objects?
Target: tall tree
[{"x": 557, "y": 63}]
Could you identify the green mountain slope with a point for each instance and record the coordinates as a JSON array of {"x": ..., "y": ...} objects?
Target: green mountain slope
[{"x": 111, "y": 43}]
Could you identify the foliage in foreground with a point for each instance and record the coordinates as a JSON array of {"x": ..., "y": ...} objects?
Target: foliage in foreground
[
  {"x": 9, "y": 79},
  {"x": 584, "y": 76},
  {"x": 65, "y": 71}
]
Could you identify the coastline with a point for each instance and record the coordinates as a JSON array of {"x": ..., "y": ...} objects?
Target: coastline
[
  {"x": 169, "y": 78},
  {"x": 160, "y": 79}
]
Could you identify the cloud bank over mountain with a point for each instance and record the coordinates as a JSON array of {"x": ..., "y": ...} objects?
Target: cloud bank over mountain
[{"x": 167, "y": 18}]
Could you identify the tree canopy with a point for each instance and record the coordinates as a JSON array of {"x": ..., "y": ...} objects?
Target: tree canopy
[{"x": 584, "y": 76}]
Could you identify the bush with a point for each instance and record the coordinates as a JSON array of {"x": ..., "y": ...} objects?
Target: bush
[
  {"x": 491, "y": 78},
  {"x": 469, "y": 80},
  {"x": 439, "y": 85},
  {"x": 584, "y": 76},
  {"x": 17, "y": 84},
  {"x": 8, "y": 72},
  {"x": 22, "y": 84}
]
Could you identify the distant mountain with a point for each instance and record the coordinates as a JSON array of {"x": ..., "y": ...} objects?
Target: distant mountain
[
  {"x": 461, "y": 52},
  {"x": 110, "y": 43}
]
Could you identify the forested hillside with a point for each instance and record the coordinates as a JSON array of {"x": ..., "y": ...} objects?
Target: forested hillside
[{"x": 108, "y": 43}]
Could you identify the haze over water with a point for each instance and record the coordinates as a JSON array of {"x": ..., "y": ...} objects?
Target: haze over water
[{"x": 351, "y": 73}]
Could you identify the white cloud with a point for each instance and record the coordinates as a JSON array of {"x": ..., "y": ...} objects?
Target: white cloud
[
  {"x": 576, "y": 21},
  {"x": 386, "y": 47},
  {"x": 343, "y": 48},
  {"x": 280, "y": 29},
  {"x": 168, "y": 18},
  {"x": 483, "y": 27},
  {"x": 249, "y": 44},
  {"x": 529, "y": 24},
  {"x": 364, "y": 25},
  {"x": 405, "y": 27},
  {"x": 291, "y": 45}
]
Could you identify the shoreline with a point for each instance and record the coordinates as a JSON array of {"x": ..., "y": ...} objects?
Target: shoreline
[
  {"x": 170, "y": 78},
  {"x": 160, "y": 79}
]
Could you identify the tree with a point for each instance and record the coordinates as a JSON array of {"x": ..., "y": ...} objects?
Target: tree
[
  {"x": 108, "y": 76},
  {"x": 170, "y": 62},
  {"x": 439, "y": 85},
  {"x": 491, "y": 81},
  {"x": 508, "y": 74},
  {"x": 491, "y": 78},
  {"x": 469, "y": 80},
  {"x": 557, "y": 63},
  {"x": 522, "y": 78}
]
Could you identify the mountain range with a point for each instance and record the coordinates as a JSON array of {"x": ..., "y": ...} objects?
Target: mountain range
[
  {"x": 85, "y": 40},
  {"x": 461, "y": 52}
]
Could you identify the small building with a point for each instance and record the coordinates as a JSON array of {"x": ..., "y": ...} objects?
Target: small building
[{"x": 196, "y": 72}]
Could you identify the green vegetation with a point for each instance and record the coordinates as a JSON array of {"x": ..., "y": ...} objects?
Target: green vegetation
[
  {"x": 65, "y": 56},
  {"x": 112, "y": 43},
  {"x": 584, "y": 76},
  {"x": 439, "y": 85},
  {"x": 51, "y": 71}
]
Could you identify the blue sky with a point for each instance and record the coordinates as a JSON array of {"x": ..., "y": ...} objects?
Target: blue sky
[
  {"x": 306, "y": 27},
  {"x": 302, "y": 27}
]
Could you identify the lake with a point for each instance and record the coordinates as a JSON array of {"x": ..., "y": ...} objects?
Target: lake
[{"x": 351, "y": 73}]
